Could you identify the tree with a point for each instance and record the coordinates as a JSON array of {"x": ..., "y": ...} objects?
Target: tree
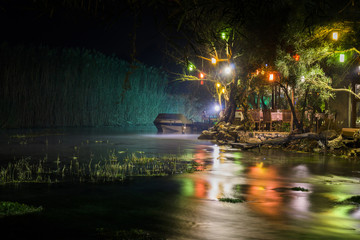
[
  {"x": 310, "y": 76},
  {"x": 233, "y": 33}
]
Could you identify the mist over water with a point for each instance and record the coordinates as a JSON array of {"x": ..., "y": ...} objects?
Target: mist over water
[{"x": 187, "y": 206}]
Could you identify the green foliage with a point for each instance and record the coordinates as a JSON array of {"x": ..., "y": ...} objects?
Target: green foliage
[
  {"x": 14, "y": 208},
  {"x": 45, "y": 87}
]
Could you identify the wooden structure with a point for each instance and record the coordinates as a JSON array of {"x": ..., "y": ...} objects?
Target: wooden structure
[
  {"x": 349, "y": 132},
  {"x": 265, "y": 119},
  {"x": 255, "y": 115}
]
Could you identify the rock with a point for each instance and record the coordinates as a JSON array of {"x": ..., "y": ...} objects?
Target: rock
[
  {"x": 336, "y": 143},
  {"x": 329, "y": 134},
  {"x": 237, "y": 128},
  {"x": 207, "y": 135},
  {"x": 222, "y": 135},
  {"x": 317, "y": 150},
  {"x": 253, "y": 140},
  {"x": 242, "y": 137}
]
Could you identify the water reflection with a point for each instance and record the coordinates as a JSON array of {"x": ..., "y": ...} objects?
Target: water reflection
[{"x": 270, "y": 191}]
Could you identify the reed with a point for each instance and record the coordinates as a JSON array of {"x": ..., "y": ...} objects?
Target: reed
[{"x": 51, "y": 87}]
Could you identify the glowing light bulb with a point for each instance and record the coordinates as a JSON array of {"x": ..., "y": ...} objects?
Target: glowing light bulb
[
  {"x": 213, "y": 60},
  {"x": 335, "y": 36},
  {"x": 342, "y": 57},
  {"x": 227, "y": 70},
  {"x": 271, "y": 76},
  {"x": 191, "y": 67}
]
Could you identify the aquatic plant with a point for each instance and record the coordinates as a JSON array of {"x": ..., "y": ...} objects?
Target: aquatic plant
[
  {"x": 352, "y": 200},
  {"x": 138, "y": 234},
  {"x": 109, "y": 169},
  {"x": 15, "y": 208},
  {"x": 231, "y": 200},
  {"x": 299, "y": 189}
]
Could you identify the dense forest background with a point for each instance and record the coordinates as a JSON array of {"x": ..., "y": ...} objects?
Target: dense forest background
[{"x": 52, "y": 87}]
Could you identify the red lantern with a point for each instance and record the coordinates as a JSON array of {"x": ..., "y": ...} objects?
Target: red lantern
[
  {"x": 296, "y": 57},
  {"x": 271, "y": 76}
]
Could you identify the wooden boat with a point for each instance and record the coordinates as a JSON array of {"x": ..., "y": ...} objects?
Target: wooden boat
[
  {"x": 172, "y": 123},
  {"x": 175, "y": 123}
]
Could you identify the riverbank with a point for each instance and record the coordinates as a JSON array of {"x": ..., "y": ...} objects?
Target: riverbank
[{"x": 327, "y": 142}]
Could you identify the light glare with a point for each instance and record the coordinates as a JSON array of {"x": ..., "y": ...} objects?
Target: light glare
[
  {"x": 342, "y": 57},
  {"x": 335, "y": 36},
  {"x": 271, "y": 76},
  {"x": 227, "y": 70}
]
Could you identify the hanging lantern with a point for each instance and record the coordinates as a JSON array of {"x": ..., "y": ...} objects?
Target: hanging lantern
[
  {"x": 191, "y": 67},
  {"x": 335, "y": 36},
  {"x": 271, "y": 76},
  {"x": 201, "y": 75},
  {"x": 342, "y": 57},
  {"x": 296, "y": 57}
]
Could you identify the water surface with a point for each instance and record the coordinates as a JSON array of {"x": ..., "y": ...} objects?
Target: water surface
[{"x": 185, "y": 206}]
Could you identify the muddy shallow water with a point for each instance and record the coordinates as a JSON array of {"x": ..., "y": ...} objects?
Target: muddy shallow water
[{"x": 184, "y": 206}]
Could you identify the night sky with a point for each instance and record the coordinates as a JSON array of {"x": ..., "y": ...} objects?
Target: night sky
[{"x": 25, "y": 22}]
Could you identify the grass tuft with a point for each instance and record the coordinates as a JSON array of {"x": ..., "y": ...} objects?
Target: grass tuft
[
  {"x": 14, "y": 208},
  {"x": 352, "y": 200},
  {"x": 231, "y": 200},
  {"x": 299, "y": 189},
  {"x": 111, "y": 169}
]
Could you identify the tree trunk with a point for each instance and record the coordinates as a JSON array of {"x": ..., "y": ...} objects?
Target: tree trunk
[
  {"x": 292, "y": 107},
  {"x": 229, "y": 114}
]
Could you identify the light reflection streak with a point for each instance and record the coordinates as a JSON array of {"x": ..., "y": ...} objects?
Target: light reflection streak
[
  {"x": 269, "y": 194},
  {"x": 222, "y": 179},
  {"x": 261, "y": 193}
]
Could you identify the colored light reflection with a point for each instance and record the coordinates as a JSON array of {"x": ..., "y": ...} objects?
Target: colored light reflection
[{"x": 262, "y": 181}]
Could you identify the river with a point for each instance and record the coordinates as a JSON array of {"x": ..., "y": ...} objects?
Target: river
[{"x": 183, "y": 206}]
